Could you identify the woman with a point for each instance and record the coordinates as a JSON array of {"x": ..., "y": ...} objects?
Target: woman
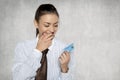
[{"x": 29, "y": 53}]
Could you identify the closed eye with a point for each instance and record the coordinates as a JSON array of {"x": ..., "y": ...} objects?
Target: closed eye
[
  {"x": 56, "y": 26},
  {"x": 46, "y": 25}
]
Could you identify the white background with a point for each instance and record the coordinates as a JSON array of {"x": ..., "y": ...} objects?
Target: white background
[{"x": 92, "y": 25}]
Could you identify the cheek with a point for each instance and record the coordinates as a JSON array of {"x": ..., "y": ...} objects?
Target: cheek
[
  {"x": 41, "y": 29},
  {"x": 56, "y": 30}
]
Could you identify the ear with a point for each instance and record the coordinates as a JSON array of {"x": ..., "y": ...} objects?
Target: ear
[{"x": 36, "y": 23}]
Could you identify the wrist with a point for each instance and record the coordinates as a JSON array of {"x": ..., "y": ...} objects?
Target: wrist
[
  {"x": 64, "y": 69},
  {"x": 40, "y": 49}
]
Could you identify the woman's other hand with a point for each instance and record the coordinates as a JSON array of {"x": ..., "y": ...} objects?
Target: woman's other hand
[{"x": 64, "y": 60}]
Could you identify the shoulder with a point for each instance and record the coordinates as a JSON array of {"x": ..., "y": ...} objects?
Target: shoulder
[{"x": 26, "y": 44}]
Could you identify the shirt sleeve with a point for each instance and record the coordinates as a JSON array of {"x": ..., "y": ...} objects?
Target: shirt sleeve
[
  {"x": 25, "y": 66},
  {"x": 69, "y": 75}
]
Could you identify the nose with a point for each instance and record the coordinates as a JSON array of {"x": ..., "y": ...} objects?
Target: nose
[{"x": 52, "y": 29}]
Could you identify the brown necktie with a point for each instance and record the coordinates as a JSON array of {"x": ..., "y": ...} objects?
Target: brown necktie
[{"x": 42, "y": 71}]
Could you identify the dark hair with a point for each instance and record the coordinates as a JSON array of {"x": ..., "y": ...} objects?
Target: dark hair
[{"x": 44, "y": 9}]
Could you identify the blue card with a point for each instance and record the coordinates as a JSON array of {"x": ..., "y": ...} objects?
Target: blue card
[{"x": 69, "y": 48}]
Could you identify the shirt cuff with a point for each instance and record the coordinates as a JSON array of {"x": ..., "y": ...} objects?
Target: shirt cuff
[
  {"x": 37, "y": 53},
  {"x": 65, "y": 75}
]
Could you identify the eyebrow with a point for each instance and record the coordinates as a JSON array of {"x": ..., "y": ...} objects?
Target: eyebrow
[{"x": 50, "y": 23}]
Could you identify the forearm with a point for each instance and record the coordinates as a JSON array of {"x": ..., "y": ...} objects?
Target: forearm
[{"x": 26, "y": 70}]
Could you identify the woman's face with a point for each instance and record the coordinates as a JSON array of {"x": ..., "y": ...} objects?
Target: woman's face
[{"x": 47, "y": 23}]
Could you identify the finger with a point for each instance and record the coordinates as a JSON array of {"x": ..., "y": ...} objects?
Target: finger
[
  {"x": 62, "y": 58},
  {"x": 48, "y": 35},
  {"x": 64, "y": 55},
  {"x": 67, "y": 53},
  {"x": 46, "y": 32},
  {"x": 41, "y": 37},
  {"x": 51, "y": 37},
  {"x": 45, "y": 36}
]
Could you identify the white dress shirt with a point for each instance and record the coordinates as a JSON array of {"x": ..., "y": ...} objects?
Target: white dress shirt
[{"x": 27, "y": 61}]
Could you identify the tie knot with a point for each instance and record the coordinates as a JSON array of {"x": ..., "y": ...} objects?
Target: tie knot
[
  {"x": 44, "y": 55},
  {"x": 45, "y": 51}
]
